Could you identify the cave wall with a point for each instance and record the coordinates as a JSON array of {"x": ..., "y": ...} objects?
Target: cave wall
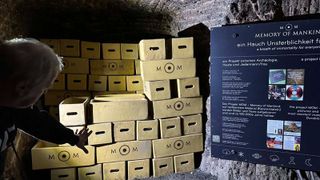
[{"x": 131, "y": 20}]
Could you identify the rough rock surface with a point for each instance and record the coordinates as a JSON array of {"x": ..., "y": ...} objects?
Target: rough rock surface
[{"x": 131, "y": 20}]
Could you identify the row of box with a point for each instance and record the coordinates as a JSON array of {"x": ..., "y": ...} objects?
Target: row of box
[
  {"x": 128, "y": 170},
  {"x": 113, "y": 108},
  {"x": 55, "y": 97},
  {"x": 106, "y": 133},
  {"x": 48, "y": 156},
  {"x": 162, "y": 89},
  {"x": 148, "y": 49},
  {"x": 155, "y": 49},
  {"x": 97, "y": 82},
  {"x": 150, "y": 70},
  {"x": 100, "y": 67},
  {"x": 92, "y": 50}
]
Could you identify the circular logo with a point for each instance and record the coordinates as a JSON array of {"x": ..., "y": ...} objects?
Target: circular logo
[
  {"x": 112, "y": 66},
  {"x": 178, "y": 106},
  {"x": 178, "y": 144},
  {"x": 124, "y": 150},
  {"x": 169, "y": 68},
  {"x": 64, "y": 156},
  {"x": 288, "y": 27}
]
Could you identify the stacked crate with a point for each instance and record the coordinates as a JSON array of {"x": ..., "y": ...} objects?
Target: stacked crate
[
  {"x": 93, "y": 68},
  {"x": 173, "y": 91},
  {"x": 124, "y": 156}
]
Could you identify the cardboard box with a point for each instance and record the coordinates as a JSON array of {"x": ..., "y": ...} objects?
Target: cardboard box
[
  {"x": 91, "y": 172},
  {"x": 168, "y": 69},
  {"x": 177, "y": 107},
  {"x": 137, "y": 66},
  {"x": 124, "y": 151},
  {"x": 48, "y": 156},
  {"x": 117, "y": 83},
  {"x": 177, "y": 145},
  {"x": 59, "y": 83},
  {"x": 90, "y": 50},
  {"x": 63, "y": 174},
  {"x": 152, "y": 49},
  {"x": 112, "y": 108},
  {"x": 114, "y": 171},
  {"x": 111, "y": 51},
  {"x": 162, "y": 166},
  {"x": 112, "y": 67},
  {"x": 134, "y": 83},
  {"x": 184, "y": 163},
  {"x": 138, "y": 169},
  {"x": 73, "y": 111},
  {"x": 170, "y": 127},
  {"x": 147, "y": 129},
  {"x": 77, "y": 82},
  {"x": 54, "y": 112},
  {"x": 188, "y": 87},
  {"x": 192, "y": 124},
  {"x": 75, "y": 65},
  {"x": 182, "y": 47},
  {"x": 54, "y": 44},
  {"x": 54, "y": 98},
  {"x": 101, "y": 134},
  {"x": 98, "y": 83},
  {"x": 124, "y": 131},
  {"x": 70, "y": 47},
  {"x": 129, "y": 51},
  {"x": 157, "y": 90}
]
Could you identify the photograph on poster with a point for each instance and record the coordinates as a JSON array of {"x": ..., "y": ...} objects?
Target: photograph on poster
[
  {"x": 277, "y": 76},
  {"x": 295, "y": 76},
  {"x": 274, "y": 141},
  {"x": 275, "y": 127},
  {"x": 292, "y": 128},
  {"x": 294, "y": 92},
  {"x": 277, "y": 92},
  {"x": 291, "y": 143}
]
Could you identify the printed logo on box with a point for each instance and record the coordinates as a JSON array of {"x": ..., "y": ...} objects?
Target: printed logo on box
[
  {"x": 63, "y": 156},
  {"x": 179, "y": 105},
  {"x": 169, "y": 68},
  {"x": 112, "y": 66},
  {"x": 178, "y": 144},
  {"x": 125, "y": 150}
]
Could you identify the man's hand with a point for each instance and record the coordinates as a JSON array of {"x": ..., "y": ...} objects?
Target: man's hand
[{"x": 83, "y": 137}]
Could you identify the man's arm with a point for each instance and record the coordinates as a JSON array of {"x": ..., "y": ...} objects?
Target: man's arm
[{"x": 43, "y": 126}]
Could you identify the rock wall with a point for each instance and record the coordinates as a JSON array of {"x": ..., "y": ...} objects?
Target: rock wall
[{"x": 131, "y": 20}]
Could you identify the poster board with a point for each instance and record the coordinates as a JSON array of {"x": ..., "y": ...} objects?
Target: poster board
[{"x": 265, "y": 93}]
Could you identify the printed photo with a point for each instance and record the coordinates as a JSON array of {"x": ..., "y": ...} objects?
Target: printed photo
[
  {"x": 295, "y": 76},
  {"x": 274, "y": 141},
  {"x": 275, "y": 127},
  {"x": 294, "y": 92},
  {"x": 277, "y": 92},
  {"x": 277, "y": 76},
  {"x": 292, "y": 143},
  {"x": 292, "y": 128}
]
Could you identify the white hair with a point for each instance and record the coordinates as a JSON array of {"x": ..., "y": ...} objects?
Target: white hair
[{"x": 28, "y": 59}]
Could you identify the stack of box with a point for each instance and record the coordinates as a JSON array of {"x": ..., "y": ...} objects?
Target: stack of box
[
  {"x": 127, "y": 141},
  {"x": 125, "y": 157},
  {"x": 73, "y": 114},
  {"x": 177, "y": 110},
  {"x": 85, "y": 74}
]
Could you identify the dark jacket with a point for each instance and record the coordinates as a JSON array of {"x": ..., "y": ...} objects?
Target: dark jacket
[{"x": 34, "y": 122}]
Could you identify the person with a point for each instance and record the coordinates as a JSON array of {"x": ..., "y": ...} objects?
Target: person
[{"x": 27, "y": 69}]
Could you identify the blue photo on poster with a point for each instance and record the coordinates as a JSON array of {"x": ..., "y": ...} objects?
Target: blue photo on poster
[{"x": 265, "y": 101}]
